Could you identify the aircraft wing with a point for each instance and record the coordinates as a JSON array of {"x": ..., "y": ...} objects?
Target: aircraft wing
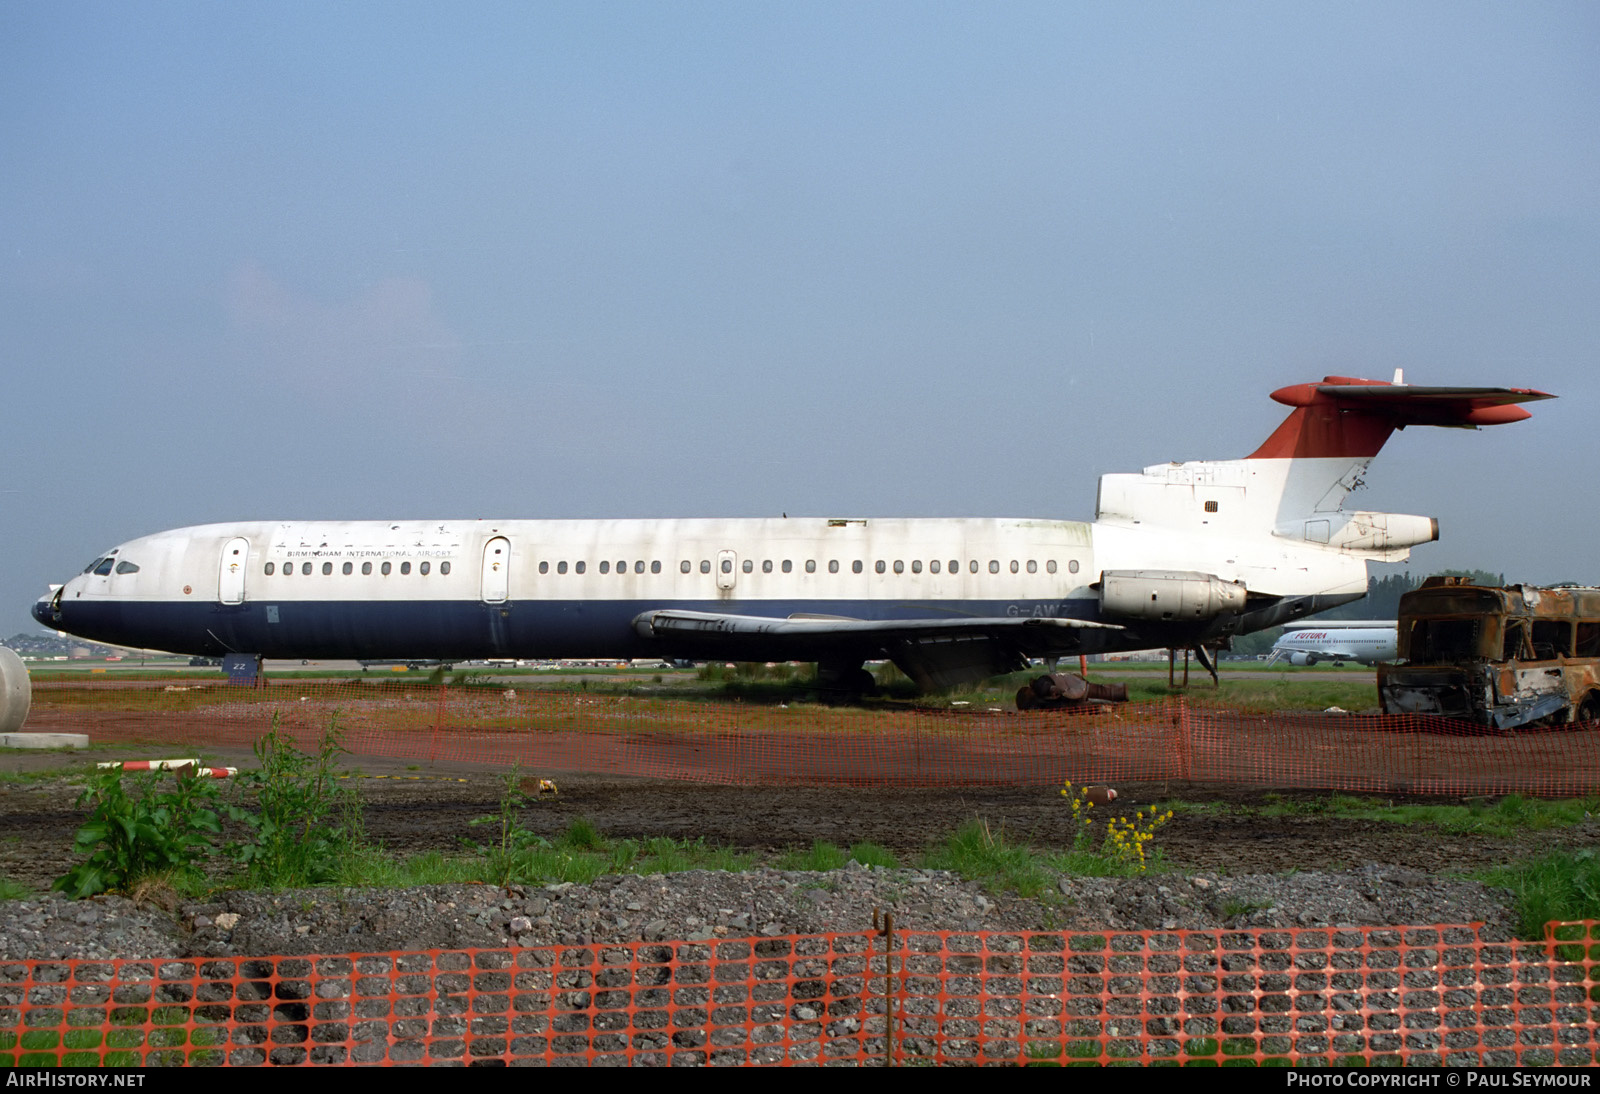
[{"x": 936, "y": 653}]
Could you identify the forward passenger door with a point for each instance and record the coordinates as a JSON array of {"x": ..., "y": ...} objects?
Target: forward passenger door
[
  {"x": 234, "y": 564},
  {"x": 496, "y": 583}
]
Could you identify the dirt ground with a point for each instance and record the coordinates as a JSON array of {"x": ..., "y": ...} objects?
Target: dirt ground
[{"x": 411, "y": 808}]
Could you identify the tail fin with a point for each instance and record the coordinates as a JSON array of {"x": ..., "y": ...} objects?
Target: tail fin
[{"x": 1295, "y": 484}]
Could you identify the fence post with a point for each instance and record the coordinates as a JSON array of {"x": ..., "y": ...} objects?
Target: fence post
[
  {"x": 438, "y": 722},
  {"x": 1185, "y": 741}
]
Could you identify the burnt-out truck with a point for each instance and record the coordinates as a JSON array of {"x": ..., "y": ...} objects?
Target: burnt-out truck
[{"x": 1501, "y": 656}]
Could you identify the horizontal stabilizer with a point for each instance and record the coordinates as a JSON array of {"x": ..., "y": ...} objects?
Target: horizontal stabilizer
[{"x": 1345, "y": 416}]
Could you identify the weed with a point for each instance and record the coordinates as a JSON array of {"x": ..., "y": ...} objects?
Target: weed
[
  {"x": 1122, "y": 844},
  {"x": 301, "y": 830},
  {"x": 1233, "y": 906},
  {"x": 131, "y": 836},
  {"x": 582, "y": 835},
  {"x": 507, "y": 858},
  {"x": 13, "y": 890}
]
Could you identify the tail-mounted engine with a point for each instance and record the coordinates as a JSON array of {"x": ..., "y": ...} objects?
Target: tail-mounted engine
[
  {"x": 1169, "y": 596},
  {"x": 1377, "y": 533}
]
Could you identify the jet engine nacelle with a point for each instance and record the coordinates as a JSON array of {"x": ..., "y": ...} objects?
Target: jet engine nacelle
[
  {"x": 1364, "y": 531},
  {"x": 1168, "y": 595},
  {"x": 16, "y": 694},
  {"x": 1300, "y": 657}
]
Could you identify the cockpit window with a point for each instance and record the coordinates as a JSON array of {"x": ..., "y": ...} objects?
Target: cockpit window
[
  {"x": 90, "y": 568},
  {"x": 104, "y": 567},
  {"x": 126, "y": 567}
]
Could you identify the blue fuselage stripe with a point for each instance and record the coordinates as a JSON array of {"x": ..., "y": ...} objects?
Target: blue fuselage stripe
[{"x": 455, "y": 629}]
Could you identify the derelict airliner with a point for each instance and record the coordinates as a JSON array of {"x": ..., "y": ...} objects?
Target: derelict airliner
[{"x": 1179, "y": 555}]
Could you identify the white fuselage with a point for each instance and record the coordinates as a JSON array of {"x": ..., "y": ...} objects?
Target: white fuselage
[{"x": 554, "y": 588}]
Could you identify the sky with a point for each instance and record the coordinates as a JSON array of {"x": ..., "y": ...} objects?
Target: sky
[{"x": 390, "y": 260}]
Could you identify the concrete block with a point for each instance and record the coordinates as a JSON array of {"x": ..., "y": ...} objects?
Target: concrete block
[{"x": 44, "y": 740}]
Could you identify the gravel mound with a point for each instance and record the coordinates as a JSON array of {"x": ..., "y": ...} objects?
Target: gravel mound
[{"x": 701, "y": 905}]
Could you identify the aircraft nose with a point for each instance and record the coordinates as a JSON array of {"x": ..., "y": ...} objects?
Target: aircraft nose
[{"x": 44, "y": 609}]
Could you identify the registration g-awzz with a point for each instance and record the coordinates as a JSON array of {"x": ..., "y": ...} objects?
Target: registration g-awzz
[{"x": 1179, "y": 555}]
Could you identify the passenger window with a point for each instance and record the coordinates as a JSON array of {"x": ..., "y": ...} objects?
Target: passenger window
[
  {"x": 766, "y": 565},
  {"x": 561, "y": 567},
  {"x": 423, "y": 569},
  {"x": 327, "y": 568},
  {"x": 622, "y": 567},
  {"x": 973, "y": 564},
  {"x": 579, "y": 567},
  {"x": 405, "y": 567},
  {"x": 349, "y": 568},
  {"x": 1072, "y": 566},
  {"x": 727, "y": 565},
  {"x": 916, "y": 566},
  {"x": 1050, "y": 567},
  {"x": 705, "y": 565},
  {"x": 544, "y": 567},
  {"x": 385, "y": 569},
  {"x": 444, "y": 567},
  {"x": 1014, "y": 566},
  {"x": 880, "y": 566},
  {"x": 684, "y": 566},
  {"x": 605, "y": 567},
  {"x": 638, "y": 567},
  {"x": 833, "y": 565},
  {"x": 855, "y": 567},
  {"x": 305, "y": 568},
  {"x": 933, "y": 567},
  {"x": 655, "y": 567},
  {"x": 994, "y": 565},
  {"x": 899, "y": 567},
  {"x": 366, "y": 567},
  {"x": 268, "y": 570},
  {"x": 1033, "y": 567},
  {"x": 788, "y": 566},
  {"x": 749, "y": 566}
]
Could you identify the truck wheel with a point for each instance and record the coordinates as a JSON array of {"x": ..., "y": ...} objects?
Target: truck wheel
[{"x": 1589, "y": 709}]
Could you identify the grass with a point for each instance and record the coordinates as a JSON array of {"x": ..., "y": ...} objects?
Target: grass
[
  {"x": 1564, "y": 885},
  {"x": 1511, "y": 815},
  {"x": 176, "y": 1038},
  {"x": 980, "y": 853},
  {"x": 824, "y": 856},
  {"x": 579, "y": 855}
]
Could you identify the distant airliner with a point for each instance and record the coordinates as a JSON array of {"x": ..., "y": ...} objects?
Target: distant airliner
[
  {"x": 1368, "y": 641},
  {"x": 1179, "y": 555}
]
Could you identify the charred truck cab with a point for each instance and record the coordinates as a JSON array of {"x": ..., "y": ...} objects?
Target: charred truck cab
[{"x": 1502, "y": 657}]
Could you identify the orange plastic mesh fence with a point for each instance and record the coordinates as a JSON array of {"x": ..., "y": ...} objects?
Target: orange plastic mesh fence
[
  {"x": 1405, "y": 995},
  {"x": 771, "y": 744}
]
